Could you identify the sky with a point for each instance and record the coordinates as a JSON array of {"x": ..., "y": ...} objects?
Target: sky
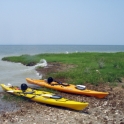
[{"x": 62, "y": 22}]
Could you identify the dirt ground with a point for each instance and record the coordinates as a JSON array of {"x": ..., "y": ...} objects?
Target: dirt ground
[{"x": 109, "y": 110}]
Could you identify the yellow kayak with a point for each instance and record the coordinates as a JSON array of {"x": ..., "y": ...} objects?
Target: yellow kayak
[
  {"x": 69, "y": 88},
  {"x": 44, "y": 97}
]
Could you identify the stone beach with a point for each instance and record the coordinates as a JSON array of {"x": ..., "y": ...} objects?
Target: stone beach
[{"x": 109, "y": 110}]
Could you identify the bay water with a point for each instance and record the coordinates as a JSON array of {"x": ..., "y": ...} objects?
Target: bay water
[{"x": 15, "y": 73}]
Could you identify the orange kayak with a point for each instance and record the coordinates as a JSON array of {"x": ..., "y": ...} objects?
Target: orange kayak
[{"x": 69, "y": 88}]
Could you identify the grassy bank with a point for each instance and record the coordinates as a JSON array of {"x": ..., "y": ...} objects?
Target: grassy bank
[{"x": 88, "y": 67}]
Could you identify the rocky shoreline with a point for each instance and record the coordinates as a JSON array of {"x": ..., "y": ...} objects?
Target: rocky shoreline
[{"x": 109, "y": 110}]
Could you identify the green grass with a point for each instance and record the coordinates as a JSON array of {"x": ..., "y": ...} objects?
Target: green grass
[
  {"x": 90, "y": 67},
  {"x": 8, "y": 97}
]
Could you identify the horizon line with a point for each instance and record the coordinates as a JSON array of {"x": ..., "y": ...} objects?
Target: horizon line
[{"x": 65, "y": 44}]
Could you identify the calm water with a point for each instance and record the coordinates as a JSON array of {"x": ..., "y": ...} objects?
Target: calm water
[
  {"x": 15, "y": 73},
  {"x": 34, "y": 49}
]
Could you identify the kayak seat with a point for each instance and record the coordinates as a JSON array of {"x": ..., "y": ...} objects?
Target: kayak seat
[
  {"x": 24, "y": 87},
  {"x": 49, "y": 80},
  {"x": 65, "y": 84},
  {"x": 59, "y": 83}
]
